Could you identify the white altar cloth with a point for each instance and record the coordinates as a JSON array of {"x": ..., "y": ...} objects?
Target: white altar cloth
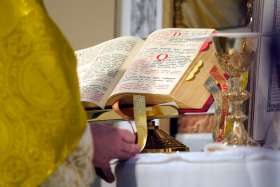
[{"x": 242, "y": 167}]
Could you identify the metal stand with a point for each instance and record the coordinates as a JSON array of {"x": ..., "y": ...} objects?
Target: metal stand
[{"x": 159, "y": 141}]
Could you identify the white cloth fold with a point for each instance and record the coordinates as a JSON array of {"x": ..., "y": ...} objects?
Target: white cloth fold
[
  {"x": 242, "y": 167},
  {"x": 230, "y": 155}
]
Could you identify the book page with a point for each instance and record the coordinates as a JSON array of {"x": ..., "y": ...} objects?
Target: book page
[
  {"x": 163, "y": 59},
  {"x": 100, "y": 67}
]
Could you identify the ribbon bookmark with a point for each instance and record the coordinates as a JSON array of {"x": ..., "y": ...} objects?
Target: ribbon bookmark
[{"x": 140, "y": 117}]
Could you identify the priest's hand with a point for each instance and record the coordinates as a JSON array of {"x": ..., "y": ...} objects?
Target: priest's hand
[{"x": 111, "y": 143}]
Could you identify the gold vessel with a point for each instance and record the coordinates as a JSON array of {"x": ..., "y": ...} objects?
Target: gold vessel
[{"x": 235, "y": 52}]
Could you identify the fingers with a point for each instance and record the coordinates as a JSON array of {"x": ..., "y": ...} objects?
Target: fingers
[
  {"x": 127, "y": 136},
  {"x": 130, "y": 148},
  {"x": 127, "y": 151},
  {"x": 105, "y": 173},
  {"x": 127, "y": 148},
  {"x": 109, "y": 177}
]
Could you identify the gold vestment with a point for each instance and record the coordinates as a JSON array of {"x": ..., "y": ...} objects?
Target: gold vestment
[{"x": 41, "y": 118}]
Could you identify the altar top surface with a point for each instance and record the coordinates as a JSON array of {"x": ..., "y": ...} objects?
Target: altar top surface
[
  {"x": 230, "y": 155},
  {"x": 238, "y": 167}
]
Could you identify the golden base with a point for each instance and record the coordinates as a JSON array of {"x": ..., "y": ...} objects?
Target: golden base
[
  {"x": 242, "y": 138},
  {"x": 159, "y": 141}
]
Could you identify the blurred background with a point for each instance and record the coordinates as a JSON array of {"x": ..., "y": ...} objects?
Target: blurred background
[{"x": 89, "y": 22}]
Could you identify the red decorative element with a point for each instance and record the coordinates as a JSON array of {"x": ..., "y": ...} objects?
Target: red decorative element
[
  {"x": 162, "y": 57},
  {"x": 205, "y": 46},
  {"x": 226, "y": 75},
  {"x": 219, "y": 77},
  {"x": 204, "y": 108},
  {"x": 175, "y": 34}
]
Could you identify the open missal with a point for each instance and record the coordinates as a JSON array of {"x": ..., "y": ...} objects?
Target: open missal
[{"x": 171, "y": 65}]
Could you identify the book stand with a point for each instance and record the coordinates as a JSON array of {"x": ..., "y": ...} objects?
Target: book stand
[{"x": 157, "y": 140}]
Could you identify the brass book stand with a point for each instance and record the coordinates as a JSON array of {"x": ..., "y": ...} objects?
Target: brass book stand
[{"x": 157, "y": 140}]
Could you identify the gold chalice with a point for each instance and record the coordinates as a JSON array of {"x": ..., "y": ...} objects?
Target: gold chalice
[{"x": 235, "y": 52}]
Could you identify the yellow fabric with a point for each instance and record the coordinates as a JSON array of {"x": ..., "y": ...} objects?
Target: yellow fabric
[{"x": 41, "y": 118}]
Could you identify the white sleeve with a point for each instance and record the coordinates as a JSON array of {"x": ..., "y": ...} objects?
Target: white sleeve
[{"x": 77, "y": 170}]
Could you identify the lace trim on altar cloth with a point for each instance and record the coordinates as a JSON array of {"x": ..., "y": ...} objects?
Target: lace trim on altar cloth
[{"x": 77, "y": 170}]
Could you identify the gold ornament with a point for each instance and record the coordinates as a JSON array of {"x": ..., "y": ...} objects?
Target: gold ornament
[{"x": 236, "y": 53}]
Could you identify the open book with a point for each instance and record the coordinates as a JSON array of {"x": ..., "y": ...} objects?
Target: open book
[{"x": 171, "y": 65}]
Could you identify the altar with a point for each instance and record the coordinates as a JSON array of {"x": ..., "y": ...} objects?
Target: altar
[{"x": 242, "y": 167}]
